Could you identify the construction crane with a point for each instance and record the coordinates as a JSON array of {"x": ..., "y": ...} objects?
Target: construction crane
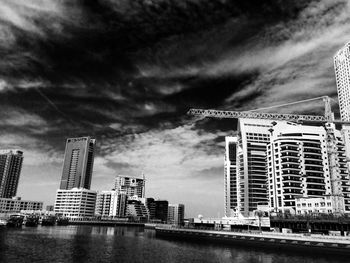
[{"x": 327, "y": 118}]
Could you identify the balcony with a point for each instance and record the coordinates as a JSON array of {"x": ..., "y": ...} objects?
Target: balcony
[{"x": 283, "y": 150}]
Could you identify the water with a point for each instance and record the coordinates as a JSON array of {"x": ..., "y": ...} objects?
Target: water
[{"x": 128, "y": 244}]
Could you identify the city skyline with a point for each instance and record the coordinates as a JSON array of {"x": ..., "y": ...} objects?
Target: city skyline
[{"x": 68, "y": 71}]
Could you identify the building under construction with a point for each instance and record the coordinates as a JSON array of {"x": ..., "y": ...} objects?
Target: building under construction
[{"x": 289, "y": 163}]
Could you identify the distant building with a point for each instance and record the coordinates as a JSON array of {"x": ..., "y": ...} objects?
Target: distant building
[
  {"x": 16, "y": 205},
  {"x": 151, "y": 208},
  {"x": 157, "y": 210},
  {"x": 302, "y": 163},
  {"x": 10, "y": 170},
  {"x": 161, "y": 212},
  {"x": 50, "y": 208},
  {"x": 122, "y": 204},
  {"x": 130, "y": 185},
  {"x": 106, "y": 204},
  {"x": 176, "y": 213},
  {"x": 136, "y": 208},
  {"x": 78, "y": 163},
  {"x": 76, "y": 203},
  {"x": 230, "y": 175}
]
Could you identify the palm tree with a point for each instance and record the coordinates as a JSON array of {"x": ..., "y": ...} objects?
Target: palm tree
[{"x": 259, "y": 214}]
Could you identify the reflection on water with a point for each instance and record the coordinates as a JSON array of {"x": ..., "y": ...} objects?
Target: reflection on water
[{"x": 126, "y": 244}]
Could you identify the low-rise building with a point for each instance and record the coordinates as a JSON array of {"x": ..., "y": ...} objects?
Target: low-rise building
[
  {"x": 106, "y": 204},
  {"x": 136, "y": 208},
  {"x": 16, "y": 205},
  {"x": 76, "y": 203},
  {"x": 325, "y": 205}
]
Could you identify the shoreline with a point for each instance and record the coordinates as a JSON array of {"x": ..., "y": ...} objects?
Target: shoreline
[
  {"x": 106, "y": 223},
  {"x": 321, "y": 244}
]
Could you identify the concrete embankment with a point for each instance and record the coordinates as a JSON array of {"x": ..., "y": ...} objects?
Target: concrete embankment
[
  {"x": 321, "y": 244},
  {"x": 106, "y": 223}
]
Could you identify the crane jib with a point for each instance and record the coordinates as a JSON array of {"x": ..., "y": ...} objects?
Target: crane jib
[{"x": 255, "y": 115}]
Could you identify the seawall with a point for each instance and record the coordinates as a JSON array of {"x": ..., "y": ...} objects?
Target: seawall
[
  {"x": 321, "y": 244},
  {"x": 106, "y": 223}
]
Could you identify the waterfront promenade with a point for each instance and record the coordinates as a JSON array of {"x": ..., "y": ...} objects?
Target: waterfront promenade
[{"x": 321, "y": 243}]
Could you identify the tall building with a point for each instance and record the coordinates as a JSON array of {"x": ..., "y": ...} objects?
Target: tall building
[
  {"x": 302, "y": 163},
  {"x": 78, "y": 163},
  {"x": 76, "y": 203},
  {"x": 253, "y": 137},
  {"x": 176, "y": 214},
  {"x": 10, "y": 170},
  {"x": 106, "y": 204},
  {"x": 342, "y": 75},
  {"x": 230, "y": 176},
  {"x": 130, "y": 185}
]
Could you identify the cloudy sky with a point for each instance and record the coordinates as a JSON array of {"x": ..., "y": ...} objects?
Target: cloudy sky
[{"x": 126, "y": 72}]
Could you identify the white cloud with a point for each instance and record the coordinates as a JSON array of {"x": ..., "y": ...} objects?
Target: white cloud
[{"x": 180, "y": 151}]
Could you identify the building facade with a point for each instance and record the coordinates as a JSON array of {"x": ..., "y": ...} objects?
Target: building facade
[
  {"x": 342, "y": 75},
  {"x": 151, "y": 208},
  {"x": 78, "y": 163},
  {"x": 106, "y": 204},
  {"x": 303, "y": 163},
  {"x": 136, "y": 208},
  {"x": 122, "y": 204},
  {"x": 323, "y": 205},
  {"x": 230, "y": 180},
  {"x": 176, "y": 214},
  {"x": 10, "y": 170},
  {"x": 17, "y": 205},
  {"x": 253, "y": 137},
  {"x": 162, "y": 207},
  {"x": 130, "y": 185},
  {"x": 76, "y": 203}
]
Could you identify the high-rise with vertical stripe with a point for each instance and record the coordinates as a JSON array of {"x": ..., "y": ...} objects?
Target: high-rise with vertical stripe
[
  {"x": 10, "y": 170},
  {"x": 78, "y": 163}
]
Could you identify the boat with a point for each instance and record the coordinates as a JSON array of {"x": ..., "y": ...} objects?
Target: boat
[
  {"x": 15, "y": 221},
  {"x": 3, "y": 222},
  {"x": 62, "y": 221},
  {"x": 48, "y": 221},
  {"x": 32, "y": 220}
]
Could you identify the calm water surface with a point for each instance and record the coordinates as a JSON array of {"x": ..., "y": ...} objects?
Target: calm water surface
[{"x": 128, "y": 244}]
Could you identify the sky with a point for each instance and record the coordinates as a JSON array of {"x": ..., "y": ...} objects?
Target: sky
[{"x": 127, "y": 71}]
